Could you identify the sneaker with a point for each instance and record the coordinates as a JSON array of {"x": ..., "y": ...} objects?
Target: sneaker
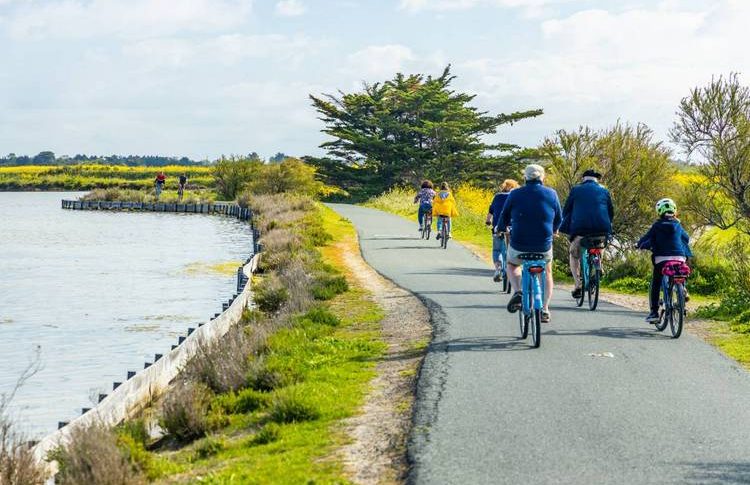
[
  {"x": 546, "y": 316},
  {"x": 652, "y": 317},
  {"x": 420, "y": 229},
  {"x": 450, "y": 235},
  {"x": 498, "y": 276},
  {"x": 515, "y": 302},
  {"x": 438, "y": 236},
  {"x": 577, "y": 293}
]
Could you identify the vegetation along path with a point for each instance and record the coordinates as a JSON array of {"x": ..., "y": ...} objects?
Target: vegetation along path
[{"x": 606, "y": 399}]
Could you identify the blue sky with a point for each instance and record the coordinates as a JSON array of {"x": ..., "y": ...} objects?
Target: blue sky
[{"x": 208, "y": 77}]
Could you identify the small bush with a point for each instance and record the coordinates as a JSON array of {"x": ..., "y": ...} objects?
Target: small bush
[
  {"x": 221, "y": 365},
  {"x": 17, "y": 463},
  {"x": 185, "y": 411},
  {"x": 296, "y": 281},
  {"x": 321, "y": 315},
  {"x": 209, "y": 447},
  {"x": 245, "y": 401},
  {"x": 261, "y": 378},
  {"x": 93, "y": 456},
  {"x": 270, "y": 296},
  {"x": 290, "y": 406},
  {"x": 268, "y": 434},
  {"x": 630, "y": 284},
  {"x": 136, "y": 429},
  {"x": 327, "y": 286}
]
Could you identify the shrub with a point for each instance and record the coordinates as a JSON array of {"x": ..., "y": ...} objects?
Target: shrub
[
  {"x": 210, "y": 446},
  {"x": 267, "y": 434},
  {"x": 270, "y": 298},
  {"x": 221, "y": 365},
  {"x": 328, "y": 286},
  {"x": 17, "y": 463},
  {"x": 290, "y": 406},
  {"x": 185, "y": 411},
  {"x": 245, "y": 401},
  {"x": 296, "y": 280},
  {"x": 92, "y": 455},
  {"x": 320, "y": 315},
  {"x": 232, "y": 174},
  {"x": 261, "y": 378},
  {"x": 630, "y": 284}
]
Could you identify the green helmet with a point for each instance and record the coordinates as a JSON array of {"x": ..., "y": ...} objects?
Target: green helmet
[{"x": 665, "y": 206}]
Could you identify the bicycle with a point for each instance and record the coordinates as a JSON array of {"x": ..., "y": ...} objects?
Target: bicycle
[
  {"x": 159, "y": 188},
  {"x": 443, "y": 223},
  {"x": 672, "y": 309},
  {"x": 591, "y": 268},
  {"x": 532, "y": 296},
  {"x": 180, "y": 192},
  {"x": 504, "y": 259},
  {"x": 427, "y": 226}
]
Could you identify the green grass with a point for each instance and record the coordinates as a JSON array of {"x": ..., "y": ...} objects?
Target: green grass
[{"x": 325, "y": 362}]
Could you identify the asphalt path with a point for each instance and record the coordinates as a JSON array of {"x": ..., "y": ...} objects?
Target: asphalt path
[{"x": 606, "y": 399}]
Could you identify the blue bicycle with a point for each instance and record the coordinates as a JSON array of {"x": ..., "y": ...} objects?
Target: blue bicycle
[
  {"x": 591, "y": 268},
  {"x": 532, "y": 300},
  {"x": 504, "y": 260}
]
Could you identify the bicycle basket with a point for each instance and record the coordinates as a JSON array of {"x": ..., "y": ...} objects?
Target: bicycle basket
[{"x": 676, "y": 268}]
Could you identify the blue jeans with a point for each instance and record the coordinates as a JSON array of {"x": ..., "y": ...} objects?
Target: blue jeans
[
  {"x": 423, "y": 209},
  {"x": 498, "y": 249},
  {"x": 440, "y": 225}
]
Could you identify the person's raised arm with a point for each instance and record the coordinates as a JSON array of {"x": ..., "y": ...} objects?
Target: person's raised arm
[{"x": 645, "y": 241}]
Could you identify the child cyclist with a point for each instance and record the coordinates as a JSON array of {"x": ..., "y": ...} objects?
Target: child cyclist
[
  {"x": 424, "y": 197},
  {"x": 444, "y": 205},
  {"x": 499, "y": 234},
  {"x": 667, "y": 241}
]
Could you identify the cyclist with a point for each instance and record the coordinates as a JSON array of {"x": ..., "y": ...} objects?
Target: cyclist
[
  {"x": 181, "y": 184},
  {"x": 587, "y": 211},
  {"x": 424, "y": 197},
  {"x": 499, "y": 233},
  {"x": 159, "y": 183},
  {"x": 667, "y": 241},
  {"x": 534, "y": 213},
  {"x": 444, "y": 205}
]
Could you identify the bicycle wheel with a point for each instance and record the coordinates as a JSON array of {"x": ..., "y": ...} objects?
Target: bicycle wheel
[
  {"x": 678, "y": 311},
  {"x": 582, "y": 274},
  {"x": 444, "y": 234},
  {"x": 593, "y": 289},
  {"x": 428, "y": 229},
  {"x": 536, "y": 329},
  {"x": 523, "y": 324}
]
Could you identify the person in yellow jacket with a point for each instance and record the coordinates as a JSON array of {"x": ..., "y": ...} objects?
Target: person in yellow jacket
[{"x": 444, "y": 205}]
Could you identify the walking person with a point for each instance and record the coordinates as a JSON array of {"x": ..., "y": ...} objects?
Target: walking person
[
  {"x": 159, "y": 182},
  {"x": 587, "y": 212},
  {"x": 499, "y": 234},
  {"x": 535, "y": 215},
  {"x": 181, "y": 184}
]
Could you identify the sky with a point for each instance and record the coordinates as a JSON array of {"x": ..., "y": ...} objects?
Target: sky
[{"x": 202, "y": 78}]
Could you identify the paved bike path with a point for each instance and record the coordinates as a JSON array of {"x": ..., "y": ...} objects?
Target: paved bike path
[{"x": 492, "y": 410}]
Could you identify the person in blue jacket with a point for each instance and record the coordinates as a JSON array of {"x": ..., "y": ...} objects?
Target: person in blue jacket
[
  {"x": 499, "y": 234},
  {"x": 667, "y": 241},
  {"x": 533, "y": 211},
  {"x": 587, "y": 212}
]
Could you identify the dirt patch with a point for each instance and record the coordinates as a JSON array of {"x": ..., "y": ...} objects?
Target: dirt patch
[{"x": 379, "y": 434}]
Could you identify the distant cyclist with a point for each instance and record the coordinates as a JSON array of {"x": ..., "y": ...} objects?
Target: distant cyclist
[
  {"x": 444, "y": 206},
  {"x": 588, "y": 211},
  {"x": 499, "y": 234},
  {"x": 534, "y": 213},
  {"x": 424, "y": 197},
  {"x": 181, "y": 184},
  {"x": 159, "y": 182},
  {"x": 667, "y": 241}
]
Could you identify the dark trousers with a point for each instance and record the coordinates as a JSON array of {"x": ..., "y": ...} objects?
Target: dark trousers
[
  {"x": 423, "y": 209},
  {"x": 656, "y": 279}
]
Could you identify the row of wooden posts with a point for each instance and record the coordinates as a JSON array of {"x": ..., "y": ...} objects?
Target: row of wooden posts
[{"x": 223, "y": 208}]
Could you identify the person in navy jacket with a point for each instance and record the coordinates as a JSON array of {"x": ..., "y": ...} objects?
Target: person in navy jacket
[
  {"x": 588, "y": 211},
  {"x": 667, "y": 241},
  {"x": 499, "y": 234},
  {"x": 534, "y": 214}
]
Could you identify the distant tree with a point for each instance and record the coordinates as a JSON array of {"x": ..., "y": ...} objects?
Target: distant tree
[
  {"x": 232, "y": 174},
  {"x": 411, "y": 127},
  {"x": 291, "y": 175},
  {"x": 254, "y": 156},
  {"x": 714, "y": 123},
  {"x": 278, "y": 158},
  {"x": 44, "y": 158},
  {"x": 636, "y": 169}
]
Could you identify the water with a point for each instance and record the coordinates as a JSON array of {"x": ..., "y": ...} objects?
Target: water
[{"x": 100, "y": 293}]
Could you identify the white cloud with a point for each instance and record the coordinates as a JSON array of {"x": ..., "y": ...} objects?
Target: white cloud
[
  {"x": 379, "y": 61},
  {"x": 530, "y": 6},
  {"x": 135, "y": 18},
  {"x": 290, "y": 8}
]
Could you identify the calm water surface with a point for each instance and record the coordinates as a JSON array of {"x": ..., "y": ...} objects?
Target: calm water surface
[{"x": 100, "y": 293}]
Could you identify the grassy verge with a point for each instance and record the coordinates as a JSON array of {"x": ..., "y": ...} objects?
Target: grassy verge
[{"x": 266, "y": 405}]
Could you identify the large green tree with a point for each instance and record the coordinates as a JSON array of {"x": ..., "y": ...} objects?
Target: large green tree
[{"x": 411, "y": 127}]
